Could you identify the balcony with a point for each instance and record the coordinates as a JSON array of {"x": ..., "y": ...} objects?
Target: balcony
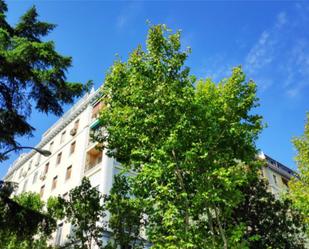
[
  {"x": 93, "y": 159},
  {"x": 96, "y": 111}
]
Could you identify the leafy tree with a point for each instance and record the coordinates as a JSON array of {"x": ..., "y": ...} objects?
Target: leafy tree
[
  {"x": 7, "y": 188},
  {"x": 299, "y": 187},
  {"x": 268, "y": 222},
  {"x": 85, "y": 211},
  {"x": 126, "y": 217},
  {"x": 191, "y": 147},
  {"x": 55, "y": 207},
  {"x": 24, "y": 224},
  {"x": 31, "y": 72},
  {"x": 30, "y": 200}
]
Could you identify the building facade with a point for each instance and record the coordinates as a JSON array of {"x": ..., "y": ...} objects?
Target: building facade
[
  {"x": 276, "y": 174},
  {"x": 74, "y": 155}
]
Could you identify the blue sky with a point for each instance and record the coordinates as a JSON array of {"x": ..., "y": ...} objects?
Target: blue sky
[{"x": 270, "y": 39}]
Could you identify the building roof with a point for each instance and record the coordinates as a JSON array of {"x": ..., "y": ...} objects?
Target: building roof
[{"x": 279, "y": 167}]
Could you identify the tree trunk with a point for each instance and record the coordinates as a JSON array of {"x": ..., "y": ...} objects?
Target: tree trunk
[
  {"x": 211, "y": 226},
  {"x": 222, "y": 233},
  {"x": 178, "y": 173}
]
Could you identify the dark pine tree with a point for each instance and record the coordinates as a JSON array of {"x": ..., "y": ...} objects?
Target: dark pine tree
[{"x": 31, "y": 73}]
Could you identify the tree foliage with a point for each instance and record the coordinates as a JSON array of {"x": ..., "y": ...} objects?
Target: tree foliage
[
  {"x": 191, "y": 147},
  {"x": 24, "y": 222},
  {"x": 85, "y": 211},
  {"x": 268, "y": 222},
  {"x": 126, "y": 218},
  {"x": 299, "y": 187},
  {"x": 31, "y": 72}
]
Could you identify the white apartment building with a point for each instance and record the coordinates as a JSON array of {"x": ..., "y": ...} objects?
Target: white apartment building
[
  {"x": 277, "y": 175},
  {"x": 74, "y": 156}
]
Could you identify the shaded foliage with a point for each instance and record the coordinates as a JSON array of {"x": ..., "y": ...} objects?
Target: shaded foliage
[
  {"x": 268, "y": 222},
  {"x": 24, "y": 224}
]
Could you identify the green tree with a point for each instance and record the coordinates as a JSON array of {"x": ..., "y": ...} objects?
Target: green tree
[
  {"x": 268, "y": 222},
  {"x": 24, "y": 224},
  {"x": 30, "y": 200},
  {"x": 191, "y": 147},
  {"x": 31, "y": 72},
  {"x": 126, "y": 217},
  {"x": 55, "y": 207},
  {"x": 85, "y": 211},
  {"x": 299, "y": 186}
]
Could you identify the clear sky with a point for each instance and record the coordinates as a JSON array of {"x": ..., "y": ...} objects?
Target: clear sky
[{"x": 270, "y": 39}]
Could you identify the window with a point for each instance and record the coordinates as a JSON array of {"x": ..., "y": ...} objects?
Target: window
[
  {"x": 35, "y": 176},
  {"x": 58, "y": 235},
  {"x": 96, "y": 110},
  {"x": 74, "y": 129},
  {"x": 46, "y": 168},
  {"x": 25, "y": 186},
  {"x": 20, "y": 173},
  {"x": 42, "y": 191},
  {"x": 51, "y": 145},
  {"x": 76, "y": 124},
  {"x": 275, "y": 179},
  {"x": 65, "y": 196},
  {"x": 30, "y": 164},
  {"x": 93, "y": 158},
  {"x": 38, "y": 159},
  {"x": 72, "y": 148},
  {"x": 59, "y": 158},
  {"x": 54, "y": 184},
  {"x": 68, "y": 173},
  {"x": 285, "y": 181},
  {"x": 62, "y": 137}
]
